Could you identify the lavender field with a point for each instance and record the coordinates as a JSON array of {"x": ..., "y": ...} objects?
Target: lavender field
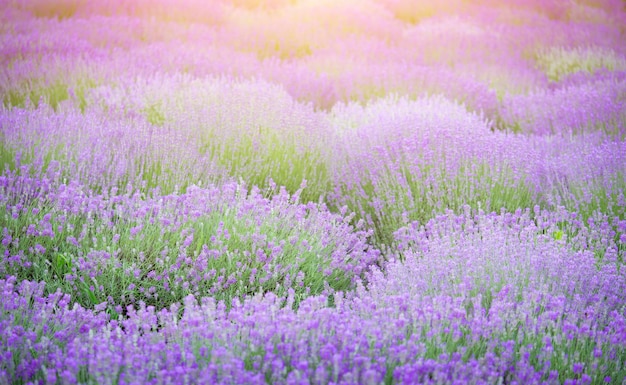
[{"x": 313, "y": 192}]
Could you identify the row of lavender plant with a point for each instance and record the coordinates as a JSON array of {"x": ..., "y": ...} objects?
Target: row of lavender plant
[
  {"x": 486, "y": 298},
  {"x": 390, "y": 56},
  {"x": 392, "y": 161}
]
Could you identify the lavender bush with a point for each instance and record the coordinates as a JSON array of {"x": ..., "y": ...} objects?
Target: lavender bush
[{"x": 120, "y": 248}]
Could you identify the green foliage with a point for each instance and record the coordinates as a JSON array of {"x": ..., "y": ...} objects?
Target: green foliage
[
  {"x": 7, "y": 156},
  {"x": 14, "y": 98},
  {"x": 267, "y": 158},
  {"x": 52, "y": 92},
  {"x": 558, "y": 62},
  {"x": 154, "y": 115},
  {"x": 405, "y": 195}
]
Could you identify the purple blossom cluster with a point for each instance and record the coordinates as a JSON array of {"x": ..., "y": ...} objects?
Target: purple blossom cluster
[{"x": 590, "y": 106}]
